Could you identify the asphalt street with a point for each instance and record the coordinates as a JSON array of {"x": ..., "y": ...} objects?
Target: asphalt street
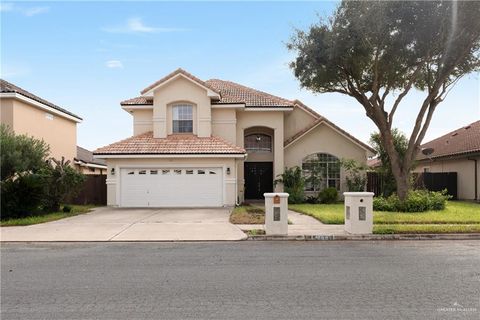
[{"x": 242, "y": 280}]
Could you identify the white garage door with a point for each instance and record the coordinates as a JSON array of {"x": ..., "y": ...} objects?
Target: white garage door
[{"x": 171, "y": 187}]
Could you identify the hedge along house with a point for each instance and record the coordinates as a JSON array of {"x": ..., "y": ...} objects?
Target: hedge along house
[
  {"x": 217, "y": 143},
  {"x": 457, "y": 151}
]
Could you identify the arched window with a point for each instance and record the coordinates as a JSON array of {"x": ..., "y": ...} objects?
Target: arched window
[
  {"x": 258, "y": 142},
  {"x": 321, "y": 170}
]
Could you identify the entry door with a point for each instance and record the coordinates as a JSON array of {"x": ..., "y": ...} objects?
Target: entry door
[{"x": 258, "y": 179}]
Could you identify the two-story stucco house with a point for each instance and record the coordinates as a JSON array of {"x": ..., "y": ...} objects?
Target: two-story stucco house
[
  {"x": 217, "y": 143},
  {"x": 26, "y": 113}
]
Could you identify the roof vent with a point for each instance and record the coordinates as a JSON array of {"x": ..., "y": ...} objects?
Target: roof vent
[
  {"x": 454, "y": 134},
  {"x": 467, "y": 127}
]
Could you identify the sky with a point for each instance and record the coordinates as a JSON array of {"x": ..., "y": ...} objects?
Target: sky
[{"x": 89, "y": 56}]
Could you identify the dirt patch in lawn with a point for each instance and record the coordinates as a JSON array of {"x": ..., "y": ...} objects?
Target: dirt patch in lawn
[{"x": 247, "y": 215}]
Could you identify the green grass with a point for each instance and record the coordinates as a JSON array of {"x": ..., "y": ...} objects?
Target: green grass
[
  {"x": 326, "y": 213},
  {"x": 458, "y": 217},
  {"x": 456, "y": 212},
  {"x": 425, "y": 228},
  {"x": 47, "y": 217}
]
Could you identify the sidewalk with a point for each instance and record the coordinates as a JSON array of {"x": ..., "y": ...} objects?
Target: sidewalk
[{"x": 303, "y": 225}]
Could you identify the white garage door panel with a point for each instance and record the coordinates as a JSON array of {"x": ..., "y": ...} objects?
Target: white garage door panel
[{"x": 176, "y": 187}]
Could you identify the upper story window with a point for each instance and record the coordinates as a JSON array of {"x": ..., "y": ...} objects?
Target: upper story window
[
  {"x": 258, "y": 143},
  {"x": 182, "y": 118}
]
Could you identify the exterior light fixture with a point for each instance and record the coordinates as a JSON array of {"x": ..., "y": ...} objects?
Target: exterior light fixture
[
  {"x": 228, "y": 170},
  {"x": 112, "y": 171}
]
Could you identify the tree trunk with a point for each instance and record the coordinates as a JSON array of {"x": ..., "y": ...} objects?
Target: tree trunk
[{"x": 402, "y": 186}]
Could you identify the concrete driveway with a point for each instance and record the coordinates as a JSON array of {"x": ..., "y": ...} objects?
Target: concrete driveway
[{"x": 115, "y": 224}]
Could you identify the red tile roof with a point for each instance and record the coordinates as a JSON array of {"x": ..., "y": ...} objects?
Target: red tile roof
[
  {"x": 147, "y": 101},
  {"x": 174, "y": 144},
  {"x": 7, "y": 87},
  {"x": 173, "y": 74},
  {"x": 465, "y": 140},
  {"x": 231, "y": 92}
]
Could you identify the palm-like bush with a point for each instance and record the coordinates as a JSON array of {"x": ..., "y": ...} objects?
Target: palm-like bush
[{"x": 293, "y": 183}]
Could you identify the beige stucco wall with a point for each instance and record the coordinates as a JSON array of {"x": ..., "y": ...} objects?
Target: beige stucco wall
[
  {"x": 87, "y": 170},
  {"x": 177, "y": 91},
  {"x": 60, "y": 133},
  {"x": 113, "y": 181},
  {"x": 224, "y": 122},
  {"x": 324, "y": 139},
  {"x": 465, "y": 170},
  {"x": 297, "y": 120},
  {"x": 6, "y": 112},
  {"x": 142, "y": 121}
]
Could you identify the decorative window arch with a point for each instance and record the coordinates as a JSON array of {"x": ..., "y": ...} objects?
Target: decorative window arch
[
  {"x": 258, "y": 142},
  {"x": 321, "y": 170},
  {"x": 182, "y": 117}
]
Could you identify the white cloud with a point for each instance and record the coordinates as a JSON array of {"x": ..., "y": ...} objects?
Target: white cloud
[
  {"x": 26, "y": 11},
  {"x": 136, "y": 25},
  {"x": 30, "y": 12},
  {"x": 114, "y": 64}
]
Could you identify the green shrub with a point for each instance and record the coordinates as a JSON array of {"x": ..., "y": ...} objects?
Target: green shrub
[
  {"x": 293, "y": 184},
  {"x": 67, "y": 209},
  {"x": 416, "y": 201},
  {"x": 21, "y": 196},
  {"x": 62, "y": 181},
  {"x": 312, "y": 199},
  {"x": 356, "y": 176},
  {"x": 328, "y": 195}
]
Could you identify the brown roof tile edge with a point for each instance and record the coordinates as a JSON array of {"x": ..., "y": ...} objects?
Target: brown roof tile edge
[
  {"x": 7, "y": 87},
  {"x": 235, "y": 149},
  {"x": 173, "y": 74}
]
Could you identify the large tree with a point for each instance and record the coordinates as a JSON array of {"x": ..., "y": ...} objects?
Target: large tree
[{"x": 377, "y": 51}]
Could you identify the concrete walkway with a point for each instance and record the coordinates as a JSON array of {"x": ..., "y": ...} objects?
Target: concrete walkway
[
  {"x": 303, "y": 225},
  {"x": 115, "y": 224}
]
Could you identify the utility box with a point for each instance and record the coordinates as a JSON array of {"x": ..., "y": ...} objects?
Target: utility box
[
  {"x": 358, "y": 212},
  {"x": 276, "y": 213}
]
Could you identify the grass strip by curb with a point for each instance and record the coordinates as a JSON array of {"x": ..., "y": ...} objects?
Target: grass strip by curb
[
  {"x": 425, "y": 228},
  {"x": 48, "y": 217}
]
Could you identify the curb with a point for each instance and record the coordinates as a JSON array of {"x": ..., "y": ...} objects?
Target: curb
[{"x": 370, "y": 237}]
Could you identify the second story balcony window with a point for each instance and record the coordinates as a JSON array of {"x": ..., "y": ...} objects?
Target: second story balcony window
[
  {"x": 182, "y": 118},
  {"x": 258, "y": 143}
]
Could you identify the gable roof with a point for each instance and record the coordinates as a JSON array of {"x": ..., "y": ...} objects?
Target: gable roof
[
  {"x": 86, "y": 156},
  {"x": 231, "y": 92},
  {"x": 177, "y": 72},
  {"x": 228, "y": 93},
  {"x": 321, "y": 119},
  {"x": 7, "y": 87},
  {"x": 463, "y": 141},
  {"x": 176, "y": 144}
]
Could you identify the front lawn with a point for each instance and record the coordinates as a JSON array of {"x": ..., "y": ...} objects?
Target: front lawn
[
  {"x": 47, "y": 217},
  {"x": 458, "y": 216}
]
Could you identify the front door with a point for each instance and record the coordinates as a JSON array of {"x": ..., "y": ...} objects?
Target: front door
[{"x": 258, "y": 179}]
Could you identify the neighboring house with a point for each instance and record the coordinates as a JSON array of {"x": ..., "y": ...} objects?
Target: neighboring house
[
  {"x": 26, "y": 113},
  {"x": 457, "y": 151},
  {"x": 217, "y": 143},
  {"x": 86, "y": 164}
]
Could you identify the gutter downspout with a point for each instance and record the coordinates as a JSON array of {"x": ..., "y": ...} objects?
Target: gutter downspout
[{"x": 476, "y": 178}]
